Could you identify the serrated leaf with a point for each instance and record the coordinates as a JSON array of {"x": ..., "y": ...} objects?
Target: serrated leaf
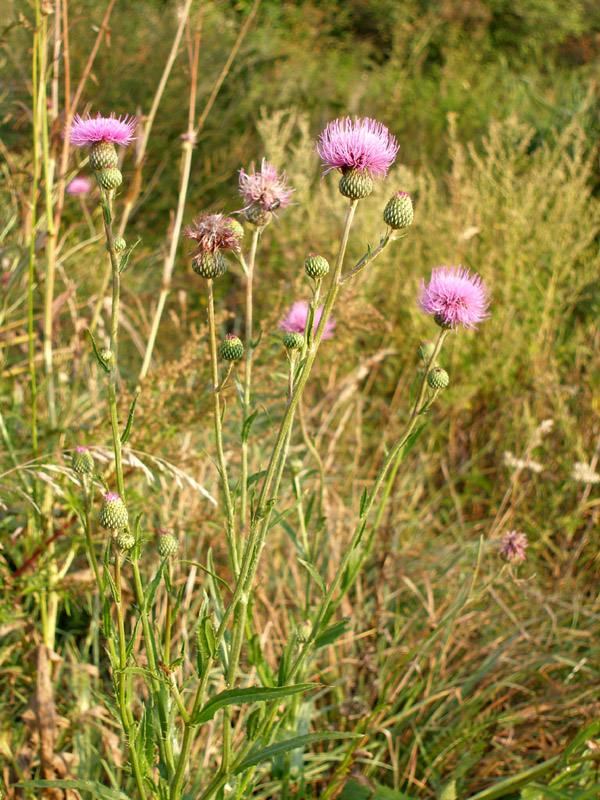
[
  {"x": 252, "y": 694},
  {"x": 290, "y": 744},
  {"x": 96, "y": 789},
  {"x": 127, "y": 431},
  {"x": 314, "y": 574},
  {"x": 97, "y": 352}
]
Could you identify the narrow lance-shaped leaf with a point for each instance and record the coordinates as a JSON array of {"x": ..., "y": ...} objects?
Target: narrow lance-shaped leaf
[
  {"x": 290, "y": 744},
  {"x": 126, "y": 433},
  {"x": 252, "y": 694}
]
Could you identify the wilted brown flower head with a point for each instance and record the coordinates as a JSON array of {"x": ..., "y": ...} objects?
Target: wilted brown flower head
[{"x": 213, "y": 232}]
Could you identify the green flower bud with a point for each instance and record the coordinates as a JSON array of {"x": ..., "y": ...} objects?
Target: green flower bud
[
  {"x": 120, "y": 244},
  {"x": 108, "y": 357},
  {"x": 356, "y": 185},
  {"x": 316, "y": 266},
  {"x": 125, "y": 540},
  {"x": 438, "y": 378},
  {"x": 256, "y": 215},
  {"x": 236, "y": 227},
  {"x": 166, "y": 544},
  {"x": 399, "y": 211},
  {"x": 109, "y": 178},
  {"x": 113, "y": 513},
  {"x": 82, "y": 462},
  {"x": 209, "y": 265},
  {"x": 303, "y": 631},
  {"x": 103, "y": 155},
  {"x": 231, "y": 348},
  {"x": 293, "y": 341}
]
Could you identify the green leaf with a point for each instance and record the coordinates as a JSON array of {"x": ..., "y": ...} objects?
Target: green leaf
[
  {"x": 96, "y": 351},
  {"x": 332, "y": 633},
  {"x": 314, "y": 574},
  {"x": 208, "y": 572},
  {"x": 96, "y": 789},
  {"x": 280, "y": 517},
  {"x": 289, "y": 744},
  {"x": 151, "y": 589},
  {"x": 125, "y": 257},
  {"x": 374, "y": 791},
  {"x": 363, "y": 501},
  {"x": 127, "y": 431},
  {"x": 251, "y": 695},
  {"x": 247, "y": 425}
]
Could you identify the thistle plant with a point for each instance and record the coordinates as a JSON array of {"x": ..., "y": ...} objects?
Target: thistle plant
[{"x": 165, "y": 702}]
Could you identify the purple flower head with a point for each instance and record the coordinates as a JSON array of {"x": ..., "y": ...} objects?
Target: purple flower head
[
  {"x": 111, "y": 497},
  {"x": 295, "y": 320},
  {"x": 266, "y": 188},
  {"x": 455, "y": 297},
  {"x": 362, "y": 144},
  {"x": 514, "y": 545},
  {"x": 79, "y": 185},
  {"x": 213, "y": 232},
  {"x": 112, "y": 129},
  {"x": 81, "y": 449}
]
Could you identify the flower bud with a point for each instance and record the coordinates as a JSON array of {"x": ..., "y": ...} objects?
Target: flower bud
[
  {"x": 231, "y": 348},
  {"x": 293, "y": 341},
  {"x": 356, "y": 185},
  {"x": 103, "y": 155},
  {"x": 236, "y": 227},
  {"x": 113, "y": 513},
  {"x": 438, "y": 378},
  {"x": 316, "y": 266},
  {"x": 166, "y": 544},
  {"x": 209, "y": 265},
  {"x": 441, "y": 322},
  {"x": 120, "y": 244},
  {"x": 125, "y": 540},
  {"x": 399, "y": 211},
  {"x": 108, "y": 357},
  {"x": 256, "y": 215},
  {"x": 303, "y": 631},
  {"x": 82, "y": 462},
  {"x": 109, "y": 178}
]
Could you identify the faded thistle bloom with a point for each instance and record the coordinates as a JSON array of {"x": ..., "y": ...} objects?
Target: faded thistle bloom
[
  {"x": 264, "y": 192},
  {"x": 455, "y": 297},
  {"x": 362, "y": 145},
  {"x": 583, "y": 473},
  {"x": 79, "y": 185},
  {"x": 89, "y": 131},
  {"x": 514, "y": 545},
  {"x": 296, "y": 318},
  {"x": 213, "y": 232}
]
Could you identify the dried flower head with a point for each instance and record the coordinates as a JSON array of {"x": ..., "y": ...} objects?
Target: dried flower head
[
  {"x": 455, "y": 297},
  {"x": 296, "y": 318},
  {"x": 266, "y": 188},
  {"x": 362, "y": 144},
  {"x": 583, "y": 473},
  {"x": 514, "y": 545},
  {"x": 79, "y": 185},
  {"x": 213, "y": 232},
  {"x": 88, "y": 131},
  {"x": 512, "y": 462}
]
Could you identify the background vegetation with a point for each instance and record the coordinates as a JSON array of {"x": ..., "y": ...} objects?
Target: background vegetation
[{"x": 495, "y": 105}]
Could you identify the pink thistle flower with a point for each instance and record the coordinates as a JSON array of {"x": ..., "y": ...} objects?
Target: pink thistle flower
[
  {"x": 514, "y": 545},
  {"x": 79, "y": 185},
  {"x": 112, "y": 129},
  {"x": 81, "y": 449},
  {"x": 213, "y": 232},
  {"x": 111, "y": 497},
  {"x": 266, "y": 188},
  {"x": 296, "y": 318},
  {"x": 455, "y": 297},
  {"x": 362, "y": 144}
]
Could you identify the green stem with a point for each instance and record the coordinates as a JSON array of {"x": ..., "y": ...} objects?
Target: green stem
[
  {"x": 231, "y": 538},
  {"x": 391, "y": 458},
  {"x": 88, "y": 533},
  {"x": 247, "y": 375}
]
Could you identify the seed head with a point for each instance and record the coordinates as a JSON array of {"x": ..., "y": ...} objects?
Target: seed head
[
  {"x": 265, "y": 188},
  {"x": 213, "y": 232}
]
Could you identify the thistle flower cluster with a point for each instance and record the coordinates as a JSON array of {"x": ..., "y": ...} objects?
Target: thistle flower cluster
[
  {"x": 455, "y": 297},
  {"x": 513, "y": 546},
  {"x": 101, "y": 134},
  {"x": 263, "y": 192}
]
